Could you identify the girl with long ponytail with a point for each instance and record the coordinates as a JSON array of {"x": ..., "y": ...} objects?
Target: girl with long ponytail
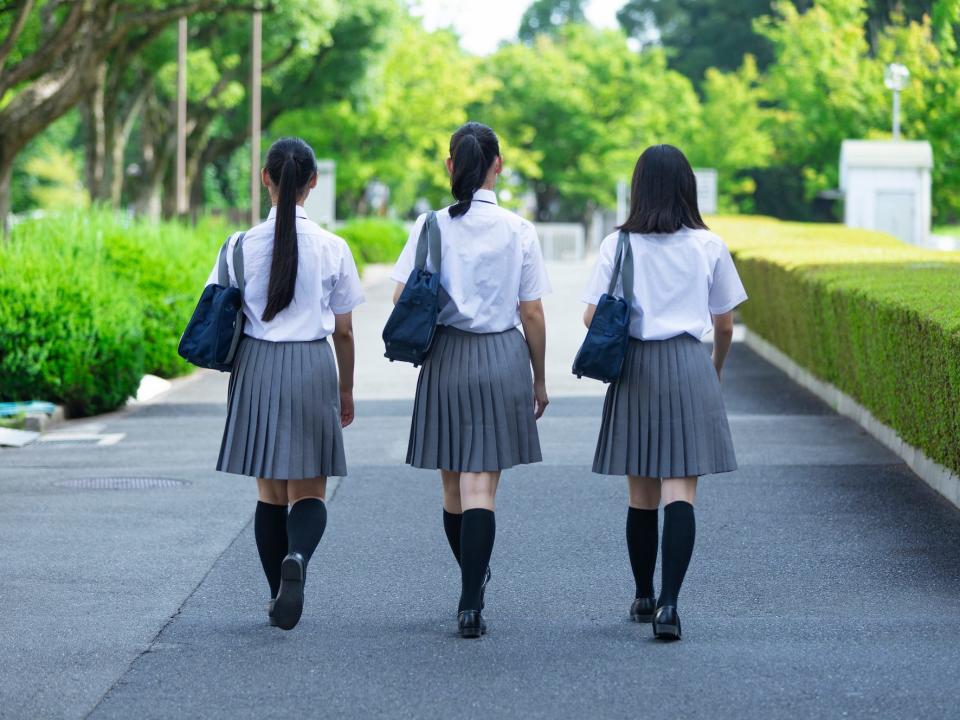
[
  {"x": 287, "y": 402},
  {"x": 482, "y": 388}
]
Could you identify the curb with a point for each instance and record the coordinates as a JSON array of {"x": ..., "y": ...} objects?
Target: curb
[{"x": 937, "y": 476}]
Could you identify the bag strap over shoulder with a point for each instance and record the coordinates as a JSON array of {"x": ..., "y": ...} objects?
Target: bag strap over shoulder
[
  {"x": 223, "y": 271},
  {"x": 623, "y": 268},
  {"x": 429, "y": 240}
]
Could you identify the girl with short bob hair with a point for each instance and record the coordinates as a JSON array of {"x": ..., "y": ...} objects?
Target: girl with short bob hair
[
  {"x": 477, "y": 403},
  {"x": 286, "y": 403},
  {"x": 664, "y": 422}
]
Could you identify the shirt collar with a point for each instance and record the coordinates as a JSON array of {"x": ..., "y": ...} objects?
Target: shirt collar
[
  {"x": 484, "y": 195},
  {"x": 301, "y": 213}
]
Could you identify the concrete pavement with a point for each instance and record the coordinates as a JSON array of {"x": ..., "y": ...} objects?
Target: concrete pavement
[{"x": 826, "y": 581}]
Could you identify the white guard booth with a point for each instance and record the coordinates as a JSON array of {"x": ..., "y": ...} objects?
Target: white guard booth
[
  {"x": 321, "y": 204},
  {"x": 886, "y": 186}
]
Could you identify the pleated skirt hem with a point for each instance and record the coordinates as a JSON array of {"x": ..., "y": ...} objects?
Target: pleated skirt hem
[
  {"x": 474, "y": 410},
  {"x": 665, "y": 416},
  {"x": 283, "y": 412}
]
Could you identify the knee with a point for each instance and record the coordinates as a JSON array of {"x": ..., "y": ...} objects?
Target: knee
[
  {"x": 272, "y": 492},
  {"x": 644, "y": 492},
  {"x": 301, "y": 489}
]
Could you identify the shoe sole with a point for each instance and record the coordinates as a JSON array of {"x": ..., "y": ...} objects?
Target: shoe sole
[
  {"x": 471, "y": 633},
  {"x": 637, "y": 618},
  {"x": 289, "y": 605},
  {"x": 666, "y": 632}
]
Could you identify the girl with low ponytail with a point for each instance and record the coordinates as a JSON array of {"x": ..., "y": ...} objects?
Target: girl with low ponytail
[
  {"x": 287, "y": 403},
  {"x": 482, "y": 387}
]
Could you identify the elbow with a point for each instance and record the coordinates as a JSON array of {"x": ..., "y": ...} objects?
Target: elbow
[
  {"x": 344, "y": 334},
  {"x": 723, "y": 328}
]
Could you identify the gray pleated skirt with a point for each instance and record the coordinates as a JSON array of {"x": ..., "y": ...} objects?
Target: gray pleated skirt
[
  {"x": 665, "y": 416},
  {"x": 283, "y": 412},
  {"x": 474, "y": 406}
]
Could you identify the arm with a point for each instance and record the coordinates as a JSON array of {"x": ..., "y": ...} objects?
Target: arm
[
  {"x": 398, "y": 291},
  {"x": 722, "y": 339},
  {"x": 343, "y": 346},
  {"x": 588, "y": 315},
  {"x": 535, "y": 331}
]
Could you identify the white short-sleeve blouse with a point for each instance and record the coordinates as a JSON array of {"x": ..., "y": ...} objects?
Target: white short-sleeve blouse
[
  {"x": 490, "y": 261},
  {"x": 327, "y": 281},
  {"x": 680, "y": 279}
]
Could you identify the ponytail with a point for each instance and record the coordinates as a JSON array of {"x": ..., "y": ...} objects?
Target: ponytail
[
  {"x": 291, "y": 166},
  {"x": 473, "y": 150}
]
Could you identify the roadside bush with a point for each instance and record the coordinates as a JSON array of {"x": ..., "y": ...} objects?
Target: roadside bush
[
  {"x": 374, "y": 240},
  {"x": 67, "y": 332},
  {"x": 876, "y": 317},
  {"x": 90, "y": 302}
]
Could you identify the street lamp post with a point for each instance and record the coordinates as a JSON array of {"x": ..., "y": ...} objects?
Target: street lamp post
[
  {"x": 255, "y": 115},
  {"x": 181, "y": 161},
  {"x": 895, "y": 77}
]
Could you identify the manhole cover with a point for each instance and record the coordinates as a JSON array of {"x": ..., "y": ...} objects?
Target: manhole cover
[{"x": 121, "y": 483}]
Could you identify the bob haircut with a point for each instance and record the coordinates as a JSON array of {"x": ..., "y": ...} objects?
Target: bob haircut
[{"x": 663, "y": 195}]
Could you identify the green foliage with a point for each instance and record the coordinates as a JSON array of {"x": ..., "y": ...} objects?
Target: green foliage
[
  {"x": 89, "y": 303},
  {"x": 581, "y": 107},
  {"x": 398, "y": 131},
  {"x": 875, "y": 317},
  {"x": 545, "y": 17},
  {"x": 68, "y": 332},
  {"x": 374, "y": 240}
]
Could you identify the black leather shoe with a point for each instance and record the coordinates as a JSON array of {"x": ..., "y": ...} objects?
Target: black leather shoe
[
  {"x": 642, "y": 610},
  {"x": 471, "y": 623},
  {"x": 483, "y": 587},
  {"x": 288, "y": 607},
  {"x": 273, "y": 620},
  {"x": 666, "y": 623}
]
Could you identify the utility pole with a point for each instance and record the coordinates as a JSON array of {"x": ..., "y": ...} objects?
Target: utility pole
[
  {"x": 256, "y": 59},
  {"x": 181, "y": 169}
]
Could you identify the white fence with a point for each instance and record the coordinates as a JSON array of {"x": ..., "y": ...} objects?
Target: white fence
[{"x": 562, "y": 241}]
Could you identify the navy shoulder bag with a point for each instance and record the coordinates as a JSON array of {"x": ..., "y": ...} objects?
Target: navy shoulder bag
[
  {"x": 215, "y": 330},
  {"x": 605, "y": 347},
  {"x": 409, "y": 332}
]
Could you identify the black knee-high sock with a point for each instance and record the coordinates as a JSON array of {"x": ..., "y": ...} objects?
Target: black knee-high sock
[
  {"x": 452, "y": 523},
  {"x": 679, "y": 533},
  {"x": 305, "y": 526},
  {"x": 479, "y": 527},
  {"x": 642, "y": 539},
  {"x": 270, "y": 529}
]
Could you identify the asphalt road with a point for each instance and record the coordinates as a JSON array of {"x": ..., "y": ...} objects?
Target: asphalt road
[{"x": 825, "y": 582}]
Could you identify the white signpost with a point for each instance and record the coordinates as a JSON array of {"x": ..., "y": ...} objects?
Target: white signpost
[
  {"x": 706, "y": 190},
  {"x": 321, "y": 204}
]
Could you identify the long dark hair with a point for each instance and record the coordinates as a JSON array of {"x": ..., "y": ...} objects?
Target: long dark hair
[
  {"x": 291, "y": 166},
  {"x": 473, "y": 148},
  {"x": 663, "y": 196}
]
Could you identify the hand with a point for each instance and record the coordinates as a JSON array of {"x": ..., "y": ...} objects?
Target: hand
[
  {"x": 346, "y": 407},
  {"x": 540, "y": 399},
  {"x": 719, "y": 370}
]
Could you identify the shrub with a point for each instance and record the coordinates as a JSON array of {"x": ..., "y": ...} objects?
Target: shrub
[
  {"x": 90, "y": 301},
  {"x": 67, "y": 332},
  {"x": 374, "y": 240},
  {"x": 875, "y": 317},
  {"x": 166, "y": 265}
]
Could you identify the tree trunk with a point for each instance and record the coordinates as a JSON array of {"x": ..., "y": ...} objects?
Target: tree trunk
[
  {"x": 6, "y": 174},
  {"x": 95, "y": 120}
]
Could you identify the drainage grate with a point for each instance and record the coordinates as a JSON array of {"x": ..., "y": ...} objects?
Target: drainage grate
[{"x": 121, "y": 483}]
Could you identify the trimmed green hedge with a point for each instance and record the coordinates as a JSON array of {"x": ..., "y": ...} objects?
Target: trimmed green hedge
[{"x": 875, "y": 317}]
